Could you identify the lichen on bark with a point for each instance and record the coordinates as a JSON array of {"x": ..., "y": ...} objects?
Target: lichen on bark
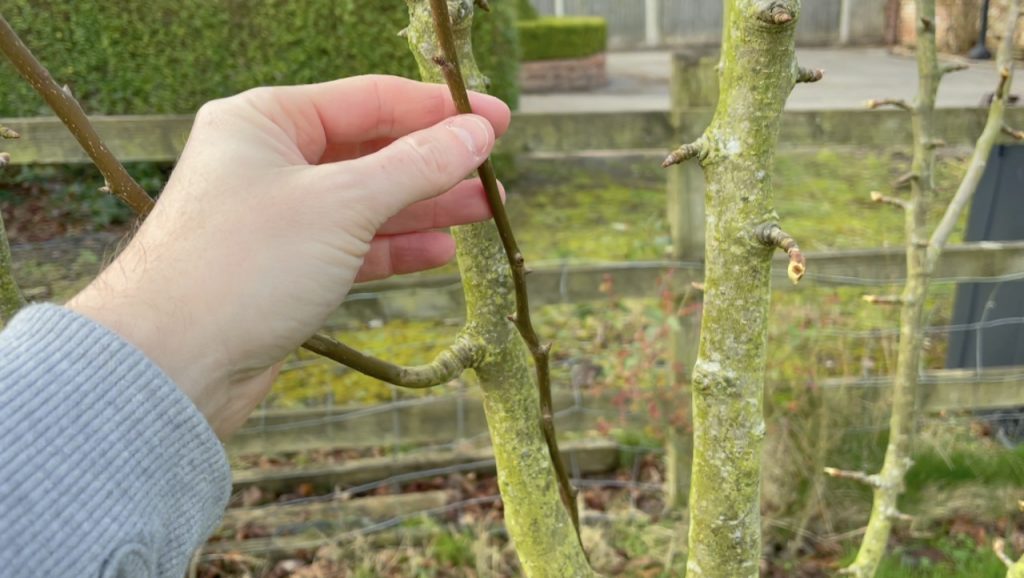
[
  {"x": 537, "y": 520},
  {"x": 758, "y": 72}
]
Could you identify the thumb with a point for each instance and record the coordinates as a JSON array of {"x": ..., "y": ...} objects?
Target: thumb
[{"x": 420, "y": 165}]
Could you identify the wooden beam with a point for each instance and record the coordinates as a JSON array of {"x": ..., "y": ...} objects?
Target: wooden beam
[
  {"x": 440, "y": 297},
  {"x": 589, "y": 456},
  {"x": 425, "y": 421},
  {"x": 161, "y": 137},
  {"x": 956, "y": 389},
  {"x": 330, "y": 515}
]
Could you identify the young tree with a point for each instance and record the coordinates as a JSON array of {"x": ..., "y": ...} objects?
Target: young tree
[
  {"x": 758, "y": 70},
  {"x": 923, "y": 251},
  {"x": 539, "y": 503}
]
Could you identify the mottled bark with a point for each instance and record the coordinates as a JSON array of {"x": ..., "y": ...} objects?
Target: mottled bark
[
  {"x": 758, "y": 72},
  {"x": 922, "y": 254},
  {"x": 537, "y": 519}
]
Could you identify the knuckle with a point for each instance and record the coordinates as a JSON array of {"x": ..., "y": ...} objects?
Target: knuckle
[{"x": 430, "y": 159}]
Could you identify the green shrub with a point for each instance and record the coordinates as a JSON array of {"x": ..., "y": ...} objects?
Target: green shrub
[
  {"x": 551, "y": 38},
  {"x": 527, "y": 11},
  {"x": 170, "y": 56}
]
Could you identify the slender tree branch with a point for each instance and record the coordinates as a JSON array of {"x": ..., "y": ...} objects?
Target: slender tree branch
[
  {"x": 883, "y": 299},
  {"x": 1013, "y": 569},
  {"x": 878, "y": 197},
  {"x": 870, "y": 480},
  {"x": 449, "y": 364},
  {"x": 1013, "y": 133},
  {"x": 983, "y": 149},
  {"x": 999, "y": 547},
  {"x": 804, "y": 75},
  {"x": 776, "y": 13},
  {"x": 905, "y": 180},
  {"x": 896, "y": 102},
  {"x": 900, "y": 516},
  {"x": 695, "y": 150},
  {"x": 951, "y": 67},
  {"x": 72, "y": 115},
  {"x": 448, "y": 61},
  {"x": 772, "y": 235}
]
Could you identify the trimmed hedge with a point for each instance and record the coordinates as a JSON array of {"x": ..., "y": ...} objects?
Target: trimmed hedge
[
  {"x": 567, "y": 37},
  {"x": 171, "y": 56},
  {"x": 527, "y": 11}
]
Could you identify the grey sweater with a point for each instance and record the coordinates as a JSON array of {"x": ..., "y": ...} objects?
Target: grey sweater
[{"x": 106, "y": 467}]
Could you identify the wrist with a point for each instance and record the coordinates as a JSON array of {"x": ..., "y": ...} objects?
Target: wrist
[{"x": 158, "y": 327}]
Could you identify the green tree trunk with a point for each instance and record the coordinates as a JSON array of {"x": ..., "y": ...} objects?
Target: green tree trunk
[
  {"x": 537, "y": 519},
  {"x": 758, "y": 72}
]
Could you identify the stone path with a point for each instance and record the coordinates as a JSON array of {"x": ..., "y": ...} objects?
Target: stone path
[{"x": 639, "y": 82}]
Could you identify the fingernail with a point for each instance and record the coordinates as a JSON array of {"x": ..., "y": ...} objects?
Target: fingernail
[{"x": 473, "y": 131}]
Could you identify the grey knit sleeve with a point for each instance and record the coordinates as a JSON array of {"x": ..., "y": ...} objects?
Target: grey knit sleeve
[{"x": 106, "y": 467}]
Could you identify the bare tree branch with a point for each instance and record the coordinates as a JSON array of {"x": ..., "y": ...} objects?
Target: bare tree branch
[
  {"x": 695, "y": 150},
  {"x": 449, "y": 64},
  {"x": 72, "y": 115},
  {"x": 896, "y": 102},
  {"x": 878, "y": 197},
  {"x": 772, "y": 235},
  {"x": 448, "y": 365}
]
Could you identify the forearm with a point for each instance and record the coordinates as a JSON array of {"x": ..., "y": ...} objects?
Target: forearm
[{"x": 106, "y": 468}]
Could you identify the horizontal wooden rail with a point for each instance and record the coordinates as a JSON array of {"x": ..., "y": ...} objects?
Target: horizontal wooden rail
[
  {"x": 588, "y": 457},
  {"x": 956, "y": 389},
  {"x": 435, "y": 420},
  {"x": 161, "y": 137},
  {"x": 440, "y": 296}
]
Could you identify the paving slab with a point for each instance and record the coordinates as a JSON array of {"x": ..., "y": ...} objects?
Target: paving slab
[{"x": 639, "y": 81}]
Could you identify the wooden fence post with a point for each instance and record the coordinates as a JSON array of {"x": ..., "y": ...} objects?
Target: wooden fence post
[
  {"x": 652, "y": 23},
  {"x": 694, "y": 87}
]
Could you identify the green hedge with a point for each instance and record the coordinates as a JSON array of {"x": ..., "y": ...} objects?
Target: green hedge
[
  {"x": 527, "y": 11},
  {"x": 170, "y": 56},
  {"x": 568, "y": 37}
]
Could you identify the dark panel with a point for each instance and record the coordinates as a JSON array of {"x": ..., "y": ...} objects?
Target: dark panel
[{"x": 997, "y": 214}]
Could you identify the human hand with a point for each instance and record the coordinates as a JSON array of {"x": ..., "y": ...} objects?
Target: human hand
[{"x": 283, "y": 197}]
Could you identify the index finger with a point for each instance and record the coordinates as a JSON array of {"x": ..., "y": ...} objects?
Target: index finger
[{"x": 364, "y": 108}]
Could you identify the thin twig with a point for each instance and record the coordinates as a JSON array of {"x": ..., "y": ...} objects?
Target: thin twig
[
  {"x": 999, "y": 547},
  {"x": 870, "y": 480},
  {"x": 448, "y": 364},
  {"x": 806, "y": 75},
  {"x": 896, "y": 102},
  {"x": 772, "y": 235},
  {"x": 72, "y": 115},
  {"x": 1013, "y": 133},
  {"x": 883, "y": 299},
  {"x": 695, "y": 150},
  {"x": 449, "y": 64},
  {"x": 878, "y": 197}
]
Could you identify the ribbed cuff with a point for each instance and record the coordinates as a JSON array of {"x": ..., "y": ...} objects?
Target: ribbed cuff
[{"x": 102, "y": 458}]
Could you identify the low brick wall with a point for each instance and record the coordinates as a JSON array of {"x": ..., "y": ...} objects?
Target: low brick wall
[{"x": 574, "y": 74}]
